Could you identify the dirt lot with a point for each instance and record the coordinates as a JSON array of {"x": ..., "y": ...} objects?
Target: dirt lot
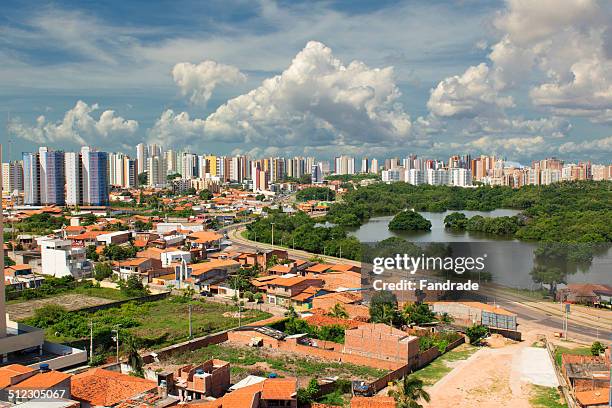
[
  {"x": 490, "y": 378},
  {"x": 23, "y": 310}
]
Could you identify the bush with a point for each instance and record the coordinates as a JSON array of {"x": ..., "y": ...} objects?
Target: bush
[
  {"x": 476, "y": 332},
  {"x": 597, "y": 348},
  {"x": 409, "y": 221}
]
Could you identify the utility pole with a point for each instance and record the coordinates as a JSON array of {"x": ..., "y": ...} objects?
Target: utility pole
[
  {"x": 567, "y": 309},
  {"x": 190, "y": 326},
  {"x": 90, "y": 342},
  {"x": 272, "y": 223},
  {"x": 340, "y": 251}
]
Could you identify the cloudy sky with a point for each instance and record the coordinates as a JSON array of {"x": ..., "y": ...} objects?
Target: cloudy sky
[{"x": 523, "y": 79}]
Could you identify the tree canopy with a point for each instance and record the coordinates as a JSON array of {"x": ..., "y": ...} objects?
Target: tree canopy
[{"x": 409, "y": 221}]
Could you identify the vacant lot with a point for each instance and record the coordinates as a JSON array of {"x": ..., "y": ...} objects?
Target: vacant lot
[
  {"x": 260, "y": 361},
  {"x": 156, "y": 324},
  {"x": 444, "y": 364},
  {"x": 73, "y": 301}
]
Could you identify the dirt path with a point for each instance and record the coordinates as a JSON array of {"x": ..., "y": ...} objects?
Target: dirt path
[
  {"x": 23, "y": 310},
  {"x": 490, "y": 378}
]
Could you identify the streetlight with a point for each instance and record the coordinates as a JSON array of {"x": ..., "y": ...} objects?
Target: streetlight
[{"x": 115, "y": 332}]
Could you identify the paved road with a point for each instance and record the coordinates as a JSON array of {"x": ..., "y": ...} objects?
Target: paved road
[{"x": 536, "y": 312}]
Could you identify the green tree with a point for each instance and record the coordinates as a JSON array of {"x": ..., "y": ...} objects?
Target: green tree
[
  {"x": 316, "y": 193},
  {"x": 339, "y": 311},
  {"x": 455, "y": 220},
  {"x": 418, "y": 313},
  {"x": 131, "y": 345},
  {"x": 597, "y": 348},
  {"x": 476, "y": 332},
  {"x": 102, "y": 271},
  {"x": 409, "y": 221},
  {"x": 408, "y": 392},
  {"x": 383, "y": 308},
  {"x": 205, "y": 194},
  {"x": 549, "y": 275},
  {"x": 143, "y": 179},
  {"x": 307, "y": 395}
]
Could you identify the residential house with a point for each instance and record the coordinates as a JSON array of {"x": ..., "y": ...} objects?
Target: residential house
[
  {"x": 271, "y": 393},
  {"x": 209, "y": 379},
  {"x": 60, "y": 258},
  {"x": 585, "y": 293},
  {"x": 103, "y": 388},
  {"x": 21, "y": 379},
  {"x": 281, "y": 291},
  {"x": 20, "y": 277}
]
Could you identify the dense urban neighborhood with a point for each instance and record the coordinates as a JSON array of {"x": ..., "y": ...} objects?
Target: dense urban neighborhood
[{"x": 223, "y": 282}]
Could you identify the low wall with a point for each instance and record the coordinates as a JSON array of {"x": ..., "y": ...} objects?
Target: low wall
[
  {"x": 147, "y": 298},
  {"x": 423, "y": 359},
  {"x": 189, "y": 345},
  {"x": 67, "y": 356},
  {"x": 339, "y": 356},
  {"x": 509, "y": 334},
  {"x": 566, "y": 389}
]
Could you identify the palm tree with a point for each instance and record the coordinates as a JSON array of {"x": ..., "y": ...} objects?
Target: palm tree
[
  {"x": 339, "y": 311},
  {"x": 133, "y": 357},
  {"x": 408, "y": 392}
]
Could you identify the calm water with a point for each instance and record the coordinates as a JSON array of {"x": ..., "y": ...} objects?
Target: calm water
[{"x": 508, "y": 260}]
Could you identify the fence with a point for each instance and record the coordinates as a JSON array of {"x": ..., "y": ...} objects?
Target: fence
[{"x": 565, "y": 388}]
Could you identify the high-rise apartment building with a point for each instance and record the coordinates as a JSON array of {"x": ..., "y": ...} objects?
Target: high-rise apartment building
[
  {"x": 12, "y": 176},
  {"x": 141, "y": 157},
  {"x": 121, "y": 170},
  {"x": 344, "y": 165},
  {"x": 156, "y": 171},
  {"x": 43, "y": 177}
]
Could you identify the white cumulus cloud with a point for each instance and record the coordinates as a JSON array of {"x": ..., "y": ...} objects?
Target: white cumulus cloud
[
  {"x": 78, "y": 126},
  {"x": 199, "y": 81},
  {"x": 470, "y": 94},
  {"x": 597, "y": 145},
  {"x": 316, "y": 101}
]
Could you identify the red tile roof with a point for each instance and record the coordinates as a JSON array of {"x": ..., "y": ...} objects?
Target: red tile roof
[{"x": 106, "y": 388}]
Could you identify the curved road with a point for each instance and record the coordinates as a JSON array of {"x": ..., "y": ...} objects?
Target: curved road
[{"x": 585, "y": 324}]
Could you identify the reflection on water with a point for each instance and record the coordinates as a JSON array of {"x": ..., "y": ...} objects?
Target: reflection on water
[{"x": 509, "y": 261}]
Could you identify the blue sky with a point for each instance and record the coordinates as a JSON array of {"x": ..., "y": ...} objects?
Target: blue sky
[{"x": 433, "y": 78}]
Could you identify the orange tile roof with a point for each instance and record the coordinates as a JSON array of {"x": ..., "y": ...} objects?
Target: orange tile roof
[
  {"x": 279, "y": 389},
  {"x": 204, "y": 267},
  {"x": 373, "y": 402},
  {"x": 280, "y": 268},
  {"x": 43, "y": 381},
  {"x": 20, "y": 267},
  {"x": 203, "y": 237},
  {"x": 319, "y": 267},
  {"x": 106, "y": 388},
  {"x": 286, "y": 282},
  {"x": 10, "y": 371},
  {"x": 323, "y": 320},
  {"x": 593, "y": 397}
]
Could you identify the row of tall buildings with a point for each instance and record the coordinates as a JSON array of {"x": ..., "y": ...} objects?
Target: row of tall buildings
[
  {"x": 65, "y": 178},
  {"x": 84, "y": 178}
]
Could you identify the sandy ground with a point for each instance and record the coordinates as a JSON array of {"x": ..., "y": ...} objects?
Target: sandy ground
[
  {"x": 492, "y": 377},
  {"x": 23, "y": 310}
]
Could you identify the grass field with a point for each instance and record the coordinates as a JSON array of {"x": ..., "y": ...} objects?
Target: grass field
[
  {"x": 578, "y": 351},
  {"x": 260, "y": 361},
  {"x": 546, "y": 397},
  {"x": 104, "y": 293},
  {"x": 158, "y": 323},
  {"x": 441, "y": 366}
]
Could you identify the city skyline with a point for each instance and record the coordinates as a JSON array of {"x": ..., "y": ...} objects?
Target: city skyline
[{"x": 506, "y": 77}]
